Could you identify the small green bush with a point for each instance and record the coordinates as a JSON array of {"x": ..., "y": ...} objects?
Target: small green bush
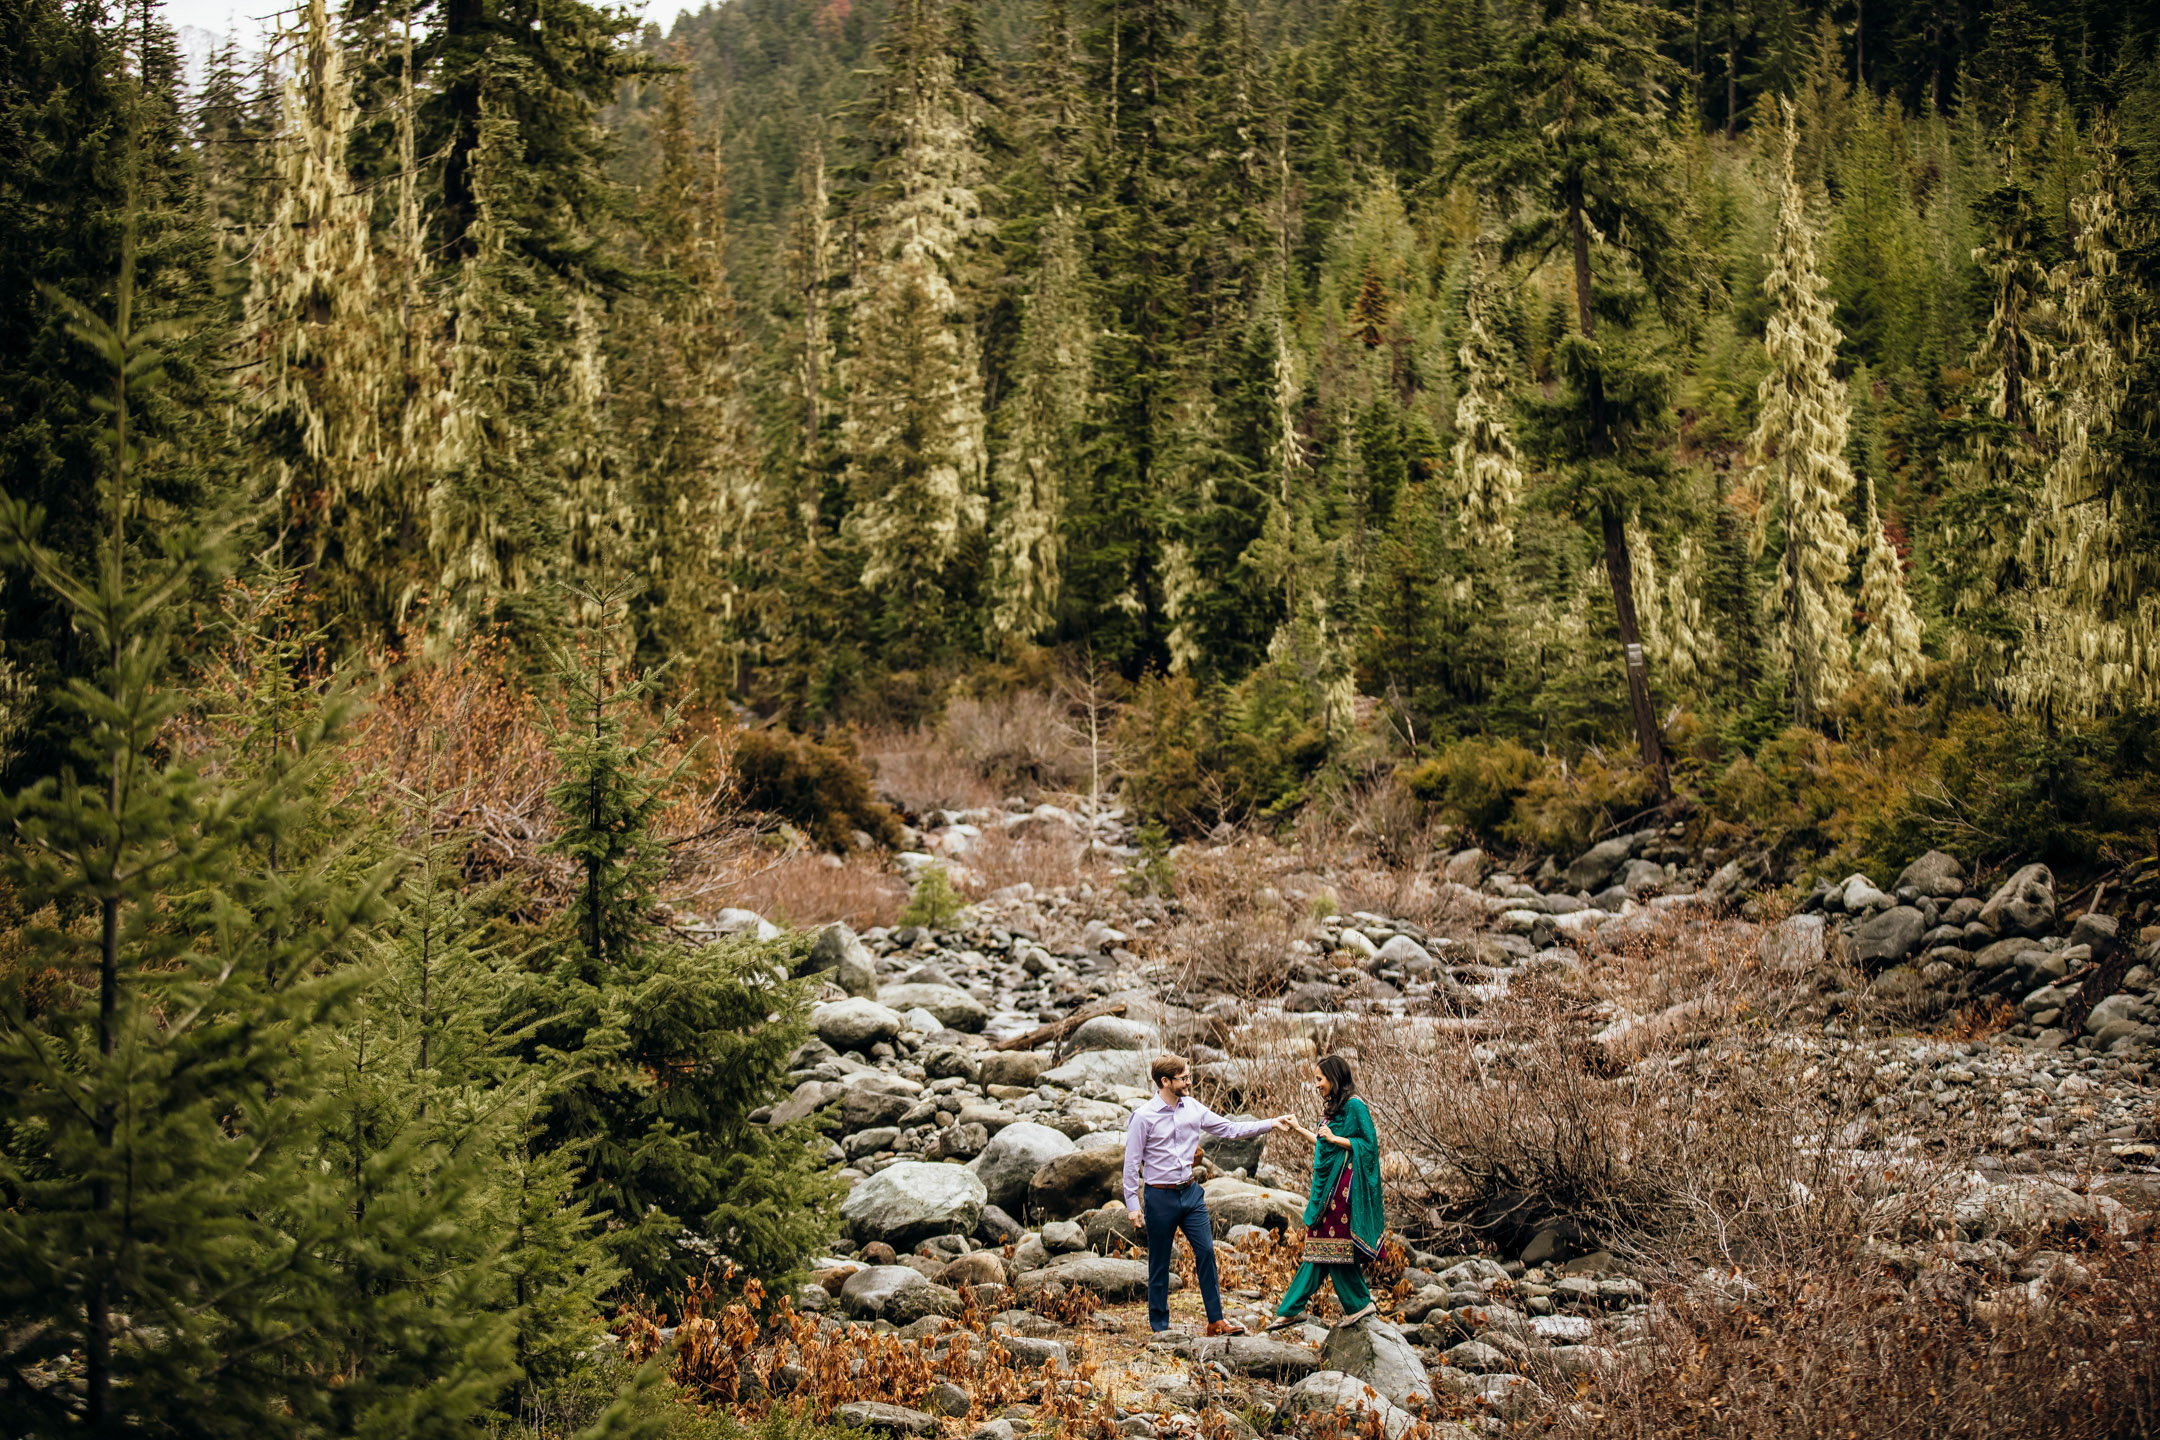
[
  {"x": 1562, "y": 806},
  {"x": 934, "y": 903},
  {"x": 820, "y": 787},
  {"x": 1474, "y": 783}
]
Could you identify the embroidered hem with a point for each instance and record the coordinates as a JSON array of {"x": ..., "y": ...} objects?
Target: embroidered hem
[{"x": 1329, "y": 1252}]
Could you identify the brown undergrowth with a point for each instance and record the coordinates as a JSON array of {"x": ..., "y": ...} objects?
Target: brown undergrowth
[{"x": 1834, "y": 1350}]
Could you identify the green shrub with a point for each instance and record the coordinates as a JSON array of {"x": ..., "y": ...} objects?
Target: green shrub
[
  {"x": 1474, "y": 783},
  {"x": 933, "y": 903},
  {"x": 1163, "y": 741},
  {"x": 820, "y": 787},
  {"x": 1562, "y": 806},
  {"x": 1999, "y": 788}
]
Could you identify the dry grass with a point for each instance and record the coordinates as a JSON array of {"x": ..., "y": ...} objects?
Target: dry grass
[
  {"x": 917, "y": 772},
  {"x": 1038, "y": 854},
  {"x": 1834, "y": 1350},
  {"x": 1240, "y": 908},
  {"x": 806, "y": 888},
  {"x": 1025, "y": 742}
]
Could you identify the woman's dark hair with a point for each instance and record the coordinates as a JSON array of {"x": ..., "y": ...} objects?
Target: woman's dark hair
[{"x": 1341, "y": 1086}]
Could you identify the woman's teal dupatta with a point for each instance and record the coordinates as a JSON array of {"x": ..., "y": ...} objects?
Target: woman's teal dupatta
[{"x": 1366, "y": 1218}]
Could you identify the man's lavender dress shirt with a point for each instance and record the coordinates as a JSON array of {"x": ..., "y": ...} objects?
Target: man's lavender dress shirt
[{"x": 1160, "y": 1141}]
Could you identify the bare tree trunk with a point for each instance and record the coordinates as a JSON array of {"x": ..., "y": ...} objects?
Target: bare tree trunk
[{"x": 1618, "y": 566}]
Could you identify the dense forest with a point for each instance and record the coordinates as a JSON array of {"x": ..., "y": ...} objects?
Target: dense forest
[
  {"x": 1527, "y": 411},
  {"x": 1609, "y": 379}
]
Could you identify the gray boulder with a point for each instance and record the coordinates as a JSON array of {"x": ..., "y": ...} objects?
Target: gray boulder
[
  {"x": 1091, "y": 1068},
  {"x": 1859, "y": 893},
  {"x": 1376, "y": 1352},
  {"x": 1889, "y": 937},
  {"x": 1466, "y": 867},
  {"x": 1595, "y": 867},
  {"x": 1406, "y": 953},
  {"x": 1325, "y": 1392},
  {"x": 2024, "y": 905},
  {"x": 1233, "y": 1154},
  {"x": 1113, "y": 1032},
  {"x": 1239, "y": 1202},
  {"x": 864, "y": 1108},
  {"x": 1313, "y": 998},
  {"x": 2115, "y": 1009},
  {"x": 869, "y": 1290},
  {"x": 1073, "y": 1184},
  {"x": 1030, "y": 1352},
  {"x": 1009, "y": 1162},
  {"x": 1478, "y": 1358},
  {"x": 1014, "y": 1067},
  {"x": 838, "y": 950},
  {"x": 890, "y": 1419},
  {"x": 809, "y": 1097},
  {"x": 955, "y": 1008},
  {"x": 1935, "y": 874},
  {"x": 906, "y": 1204},
  {"x": 1115, "y": 1280},
  {"x": 915, "y": 1302},
  {"x": 1263, "y": 1357},
  {"x": 855, "y": 1023},
  {"x": 1639, "y": 875}
]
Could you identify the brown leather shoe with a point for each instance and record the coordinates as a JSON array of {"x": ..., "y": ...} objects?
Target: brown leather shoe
[{"x": 1225, "y": 1327}]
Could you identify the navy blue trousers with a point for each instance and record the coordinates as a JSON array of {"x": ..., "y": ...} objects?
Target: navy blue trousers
[{"x": 1166, "y": 1212}]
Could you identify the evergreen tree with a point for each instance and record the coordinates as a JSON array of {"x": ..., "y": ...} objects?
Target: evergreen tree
[
  {"x": 665, "y": 1047},
  {"x": 701, "y": 506},
  {"x": 193, "y": 1277},
  {"x": 1488, "y": 469},
  {"x": 1889, "y": 652},
  {"x": 1573, "y": 121},
  {"x": 1041, "y": 452},
  {"x": 1801, "y": 472},
  {"x": 318, "y": 333},
  {"x": 915, "y": 428},
  {"x": 2096, "y": 589}
]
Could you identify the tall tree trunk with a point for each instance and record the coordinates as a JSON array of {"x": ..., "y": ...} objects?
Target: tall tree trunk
[
  {"x": 461, "y": 20},
  {"x": 1732, "y": 69},
  {"x": 1618, "y": 567}
]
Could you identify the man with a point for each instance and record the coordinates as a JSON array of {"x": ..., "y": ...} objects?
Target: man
[{"x": 1162, "y": 1142}]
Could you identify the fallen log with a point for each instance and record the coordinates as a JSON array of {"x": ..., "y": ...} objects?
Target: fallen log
[{"x": 1057, "y": 1030}]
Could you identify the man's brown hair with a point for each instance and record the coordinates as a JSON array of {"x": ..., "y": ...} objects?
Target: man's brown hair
[{"x": 1166, "y": 1066}]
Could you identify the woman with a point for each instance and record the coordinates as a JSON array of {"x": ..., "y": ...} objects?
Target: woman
[{"x": 1342, "y": 1217}]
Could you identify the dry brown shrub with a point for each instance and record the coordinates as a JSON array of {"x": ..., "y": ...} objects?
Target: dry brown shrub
[
  {"x": 1022, "y": 741},
  {"x": 1693, "y": 1137},
  {"x": 806, "y": 888},
  {"x": 1832, "y": 1350},
  {"x": 1238, "y": 915},
  {"x": 918, "y": 772},
  {"x": 1038, "y": 854}
]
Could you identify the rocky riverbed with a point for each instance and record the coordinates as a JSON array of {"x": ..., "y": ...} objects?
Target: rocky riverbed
[{"x": 982, "y": 1128}]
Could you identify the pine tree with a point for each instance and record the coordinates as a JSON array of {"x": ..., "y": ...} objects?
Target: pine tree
[
  {"x": 2096, "y": 588},
  {"x": 915, "y": 429},
  {"x": 1992, "y": 474},
  {"x": 1573, "y": 120},
  {"x": 701, "y": 504},
  {"x": 192, "y": 1276},
  {"x": 1041, "y": 454},
  {"x": 1488, "y": 468},
  {"x": 1800, "y": 470},
  {"x": 1889, "y": 652},
  {"x": 320, "y": 346},
  {"x": 666, "y": 1047}
]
